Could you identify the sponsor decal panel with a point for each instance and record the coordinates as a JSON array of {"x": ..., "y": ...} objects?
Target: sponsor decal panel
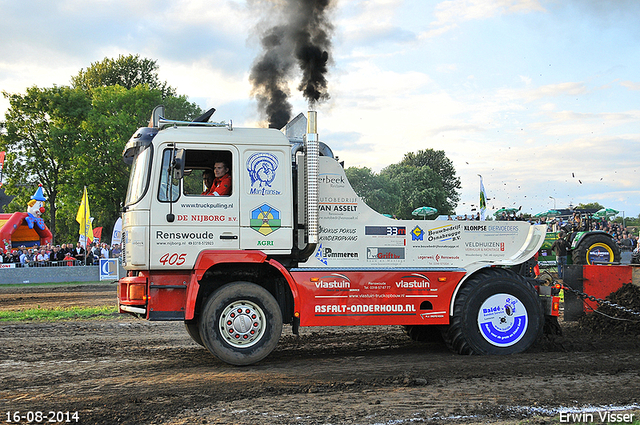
[
  {"x": 414, "y": 281},
  {"x": 337, "y": 234},
  {"x": 208, "y": 205},
  {"x": 333, "y": 180},
  {"x": 324, "y": 254},
  {"x": 173, "y": 238},
  {"x": 489, "y": 246},
  {"x": 385, "y": 230},
  {"x": 439, "y": 259},
  {"x": 385, "y": 253},
  {"x": 360, "y": 309},
  {"x": 417, "y": 234},
  {"x": 333, "y": 282},
  {"x": 204, "y": 218},
  {"x": 444, "y": 233},
  {"x": 338, "y": 207},
  {"x": 492, "y": 229}
]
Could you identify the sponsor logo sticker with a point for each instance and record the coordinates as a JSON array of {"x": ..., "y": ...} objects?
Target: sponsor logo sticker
[
  {"x": 417, "y": 234},
  {"x": 385, "y": 253},
  {"x": 385, "y": 230},
  {"x": 265, "y": 219},
  {"x": 324, "y": 254},
  {"x": 262, "y": 171}
]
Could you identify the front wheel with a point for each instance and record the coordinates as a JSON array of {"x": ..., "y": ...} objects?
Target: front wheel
[
  {"x": 193, "y": 329},
  {"x": 495, "y": 312},
  {"x": 241, "y": 323}
]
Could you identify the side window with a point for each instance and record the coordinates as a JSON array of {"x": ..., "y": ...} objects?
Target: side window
[
  {"x": 208, "y": 173},
  {"x": 169, "y": 189}
]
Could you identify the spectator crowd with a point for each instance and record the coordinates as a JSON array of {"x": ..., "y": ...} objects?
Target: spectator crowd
[
  {"x": 624, "y": 237},
  {"x": 59, "y": 255}
]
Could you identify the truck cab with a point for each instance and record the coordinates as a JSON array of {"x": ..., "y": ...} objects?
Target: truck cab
[{"x": 169, "y": 221}]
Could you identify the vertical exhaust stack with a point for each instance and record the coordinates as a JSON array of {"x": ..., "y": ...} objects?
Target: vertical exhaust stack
[{"x": 312, "y": 148}]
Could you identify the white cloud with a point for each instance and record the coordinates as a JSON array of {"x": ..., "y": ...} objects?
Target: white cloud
[
  {"x": 631, "y": 85},
  {"x": 449, "y": 14},
  {"x": 560, "y": 89}
]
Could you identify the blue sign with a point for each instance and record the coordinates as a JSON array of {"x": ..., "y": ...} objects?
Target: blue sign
[{"x": 109, "y": 269}]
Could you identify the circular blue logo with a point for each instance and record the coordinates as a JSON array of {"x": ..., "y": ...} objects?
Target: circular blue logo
[{"x": 502, "y": 320}]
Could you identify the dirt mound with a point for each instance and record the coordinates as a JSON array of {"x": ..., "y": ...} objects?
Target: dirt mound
[{"x": 608, "y": 320}]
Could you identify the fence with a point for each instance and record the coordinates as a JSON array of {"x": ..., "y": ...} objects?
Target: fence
[{"x": 13, "y": 273}]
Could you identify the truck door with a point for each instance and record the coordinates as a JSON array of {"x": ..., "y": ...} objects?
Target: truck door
[
  {"x": 266, "y": 203},
  {"x": 200, "y": 221}
]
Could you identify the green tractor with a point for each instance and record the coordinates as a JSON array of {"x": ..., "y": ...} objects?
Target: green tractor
[{"x": 586, "y": 246}]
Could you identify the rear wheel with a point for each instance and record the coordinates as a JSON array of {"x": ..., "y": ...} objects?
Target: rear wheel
[
  {"x": 495, "y": 312},
  {"x": 241, "y": 323},
  {"x": 596, "y": 248}
]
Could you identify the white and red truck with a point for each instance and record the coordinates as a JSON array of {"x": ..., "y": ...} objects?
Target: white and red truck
[{"x": 294, "y": 244}]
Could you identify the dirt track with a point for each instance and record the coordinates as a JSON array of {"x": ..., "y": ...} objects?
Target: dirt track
[{"x": 124, "y": 370}]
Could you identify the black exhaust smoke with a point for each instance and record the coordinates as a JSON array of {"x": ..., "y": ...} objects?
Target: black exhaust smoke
[{"x": 302, "y": 35}]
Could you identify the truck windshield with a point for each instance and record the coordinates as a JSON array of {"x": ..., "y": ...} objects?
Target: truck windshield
[{"x": 139, "y": 179}]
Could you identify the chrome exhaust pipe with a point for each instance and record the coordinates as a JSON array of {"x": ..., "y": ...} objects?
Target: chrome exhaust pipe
[{"x": 313, "y": 154}]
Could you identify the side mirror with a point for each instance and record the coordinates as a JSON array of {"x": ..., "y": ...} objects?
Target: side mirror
[{"x": 178, "y": 164}]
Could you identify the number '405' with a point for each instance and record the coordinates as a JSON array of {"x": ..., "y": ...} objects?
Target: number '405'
[{"x": 173, "y": 259}]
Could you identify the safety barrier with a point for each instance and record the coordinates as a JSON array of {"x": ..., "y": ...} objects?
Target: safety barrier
[{"x": 65, "y": 263}]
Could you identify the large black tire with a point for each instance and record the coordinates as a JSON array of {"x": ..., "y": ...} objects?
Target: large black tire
[
  {"x": 597, "y": 247},
  {"x": 241, "y": 323},
  {"x": 495, "y": 312},
  {"x": 193, "y": 329},
  {"x": 423, "y": 333}
]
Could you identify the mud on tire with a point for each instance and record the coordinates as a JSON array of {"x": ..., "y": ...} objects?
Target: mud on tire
[
  {"x": 241, "y": 323},
  {"x": 495, "y": 312}
]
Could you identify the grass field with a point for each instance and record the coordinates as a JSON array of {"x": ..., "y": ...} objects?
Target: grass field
[{"x": 58, "y": 313}]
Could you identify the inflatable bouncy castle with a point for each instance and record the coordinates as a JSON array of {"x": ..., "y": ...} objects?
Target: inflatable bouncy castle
[{"x": 25, "y": 228}]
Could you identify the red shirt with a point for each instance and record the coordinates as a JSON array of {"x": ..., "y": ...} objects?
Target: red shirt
[{"x": 220, "y": 187}]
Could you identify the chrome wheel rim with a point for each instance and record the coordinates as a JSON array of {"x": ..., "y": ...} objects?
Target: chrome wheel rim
[{"x": 242, "y": 323}]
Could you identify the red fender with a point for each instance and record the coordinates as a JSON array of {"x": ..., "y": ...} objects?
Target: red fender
[{"x": 209, "y": 258}]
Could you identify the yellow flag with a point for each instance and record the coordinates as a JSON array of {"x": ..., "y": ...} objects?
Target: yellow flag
[{"x": 84, "y": 219}]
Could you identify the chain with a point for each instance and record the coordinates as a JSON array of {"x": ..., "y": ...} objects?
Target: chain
[{"x": 584, "y": 296}]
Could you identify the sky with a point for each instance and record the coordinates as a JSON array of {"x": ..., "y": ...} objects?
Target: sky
[{"x": 539, "y": 97}]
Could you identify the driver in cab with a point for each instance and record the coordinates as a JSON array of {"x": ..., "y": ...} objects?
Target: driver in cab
[{"x": 218, "y": 181}]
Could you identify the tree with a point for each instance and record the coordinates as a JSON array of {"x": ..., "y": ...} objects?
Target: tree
[
  {"x": 426, "y": 178},
  {"x": 417, "y": 187},
  {"x": 377, "y": 191},
  {"x": 441, "y": 165},
  {"x": 590, "y": 206},
  {"x": 115, "y": 115},
  {"x": 126, "y": 71},
  {"x": 41, "y": 141}
]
